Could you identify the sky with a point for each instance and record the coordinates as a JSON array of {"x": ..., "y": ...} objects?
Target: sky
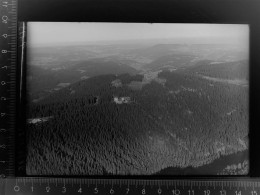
[{"x": 51, "y": 33}]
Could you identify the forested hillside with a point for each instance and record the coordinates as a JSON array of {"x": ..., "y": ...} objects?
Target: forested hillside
[
  {"x": 223, "y": 70},
  {"x": 173, "y": 61},
  {"x": 42, "y": 81},
  {"x": 102, "y": 126}
]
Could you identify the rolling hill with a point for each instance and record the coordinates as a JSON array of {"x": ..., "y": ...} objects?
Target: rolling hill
[
  {"x": 101, "y": 125},
  {"x": 42, "y": 81},
  {"x": 222, "y": 70},
  {"x": 214, "y": 52}
]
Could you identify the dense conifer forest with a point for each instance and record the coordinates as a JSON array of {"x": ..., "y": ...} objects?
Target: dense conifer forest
[{"x": 179, "y": 119}]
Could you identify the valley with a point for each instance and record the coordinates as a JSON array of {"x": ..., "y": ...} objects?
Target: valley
[{"x": 137, "y": 109}]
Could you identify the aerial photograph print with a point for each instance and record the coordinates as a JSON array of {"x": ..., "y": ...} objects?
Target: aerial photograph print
[{"x": 137, "y": 99}]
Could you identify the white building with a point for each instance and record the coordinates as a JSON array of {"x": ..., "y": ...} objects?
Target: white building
[{"x": 122, "y": 100}]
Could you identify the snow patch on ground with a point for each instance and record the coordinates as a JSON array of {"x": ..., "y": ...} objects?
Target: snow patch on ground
[
  {"x": 216, "y": 63},
  {"x": 172, "y": 69},
  {"x": 116, "y": 83},
  {"x": 84, "y": 77},
  {"x": 60, "y": 86},
  {"x": 81, "y": 71},
  {"x": 160, "y": 81},
  {"x": 243, "y": 143},
  {"x": 38, "y": 120},
  {"x": 63, "y": 84},
  {"x": 57, "y": 69},
  {"x": 229, "y": 113},
  {"x": 189, "y": 112},
  {"x": 240, "y": 82},
  {"x": 188, "y": 89},
  {"x": 220, "y": 147}
]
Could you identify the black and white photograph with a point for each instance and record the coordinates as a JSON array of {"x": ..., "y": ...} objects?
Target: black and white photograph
[{"x": 137, "y": 99}]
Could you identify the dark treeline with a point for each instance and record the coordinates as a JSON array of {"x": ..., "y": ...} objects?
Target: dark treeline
[
  {"x": 187, "y": 122},
  {"x": 42, "y": 80},
  {"x": 126, "y": 78},
  {"x": 224, "y": 70},
  {"x": 170, "y": 60}
]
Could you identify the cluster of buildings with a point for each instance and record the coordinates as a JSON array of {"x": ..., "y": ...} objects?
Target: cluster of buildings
[{"x": 122, "y": 100}]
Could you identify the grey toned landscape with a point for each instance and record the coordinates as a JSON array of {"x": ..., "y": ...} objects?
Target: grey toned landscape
[{"x": 137, "y": 99}]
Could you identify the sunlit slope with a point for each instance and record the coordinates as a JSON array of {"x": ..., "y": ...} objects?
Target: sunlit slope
[{"x": 103, "y": 125}]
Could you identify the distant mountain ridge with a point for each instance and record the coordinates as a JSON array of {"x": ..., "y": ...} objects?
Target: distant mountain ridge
[{"x": 204, "y": 51}]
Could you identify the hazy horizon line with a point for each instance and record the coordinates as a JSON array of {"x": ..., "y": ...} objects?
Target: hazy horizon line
[{"x": 149, "y": 41}]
